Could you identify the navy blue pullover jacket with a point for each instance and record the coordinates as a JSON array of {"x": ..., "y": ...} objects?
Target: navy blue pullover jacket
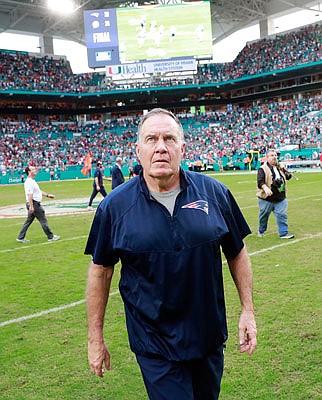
[{"x": 171, "y": 276}]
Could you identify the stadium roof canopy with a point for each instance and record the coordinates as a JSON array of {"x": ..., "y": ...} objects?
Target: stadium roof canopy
[{"x": 228, "y": 16}]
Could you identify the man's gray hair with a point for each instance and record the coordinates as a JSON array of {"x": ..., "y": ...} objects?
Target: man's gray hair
[{"x": 161, "y": 111}]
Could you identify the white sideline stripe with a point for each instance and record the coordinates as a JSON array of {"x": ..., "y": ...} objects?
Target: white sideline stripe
[
  {"x": 42, "y": 244},
  {"x": 45, "y": 312},
  {"x": 288, "y": 242},
  {"x": 289, "y": 200},
  {"x": 64, "y": 307},
  {"x": 11, "y": 225}
]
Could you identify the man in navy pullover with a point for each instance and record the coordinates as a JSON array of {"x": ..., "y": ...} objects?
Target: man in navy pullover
[
  {"x": 167, "y": 226},
  {"x": 117, "y": 174},
  {"x": 98, "y": 185}
]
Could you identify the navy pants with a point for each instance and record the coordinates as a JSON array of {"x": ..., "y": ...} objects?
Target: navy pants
[
  {"x": 183, "y": 380},
  {"x": 95, "y": 192}
]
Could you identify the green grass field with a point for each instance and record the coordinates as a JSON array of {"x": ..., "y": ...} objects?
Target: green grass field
[{"x": 44, "y": 356}]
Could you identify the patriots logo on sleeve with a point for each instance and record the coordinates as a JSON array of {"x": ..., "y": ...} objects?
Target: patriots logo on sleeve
[{"x": 198, "y": 205}]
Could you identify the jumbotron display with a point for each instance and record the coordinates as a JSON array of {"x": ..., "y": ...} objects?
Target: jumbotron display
[{"x": 124, "y": 35}]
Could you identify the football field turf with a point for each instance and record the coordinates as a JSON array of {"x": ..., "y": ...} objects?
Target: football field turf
[{"x": 43, "y": 351}]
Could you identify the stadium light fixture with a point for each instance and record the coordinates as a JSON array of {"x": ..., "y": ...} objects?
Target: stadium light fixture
[{"x": 61, "y": 6}]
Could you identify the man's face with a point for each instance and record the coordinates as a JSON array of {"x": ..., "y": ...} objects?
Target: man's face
[
  {"x": 272, "y": 158},
  {"x": 33, "y": 171},
  {"x": 160, "y": 147}
]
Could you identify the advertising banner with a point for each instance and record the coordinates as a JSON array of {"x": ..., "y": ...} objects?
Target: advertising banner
[{"x": 152, "y": 67}]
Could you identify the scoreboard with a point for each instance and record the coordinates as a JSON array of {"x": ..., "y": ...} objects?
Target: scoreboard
[{"x": 101, "y": 37}]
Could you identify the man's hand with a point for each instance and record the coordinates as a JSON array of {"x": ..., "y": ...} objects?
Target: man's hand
[
  {"x": 267, "y": 190},
  {"x": 247, "y": 332},
  {"x": 98, "y": 356},
  {"x": 51, "y": 196}
]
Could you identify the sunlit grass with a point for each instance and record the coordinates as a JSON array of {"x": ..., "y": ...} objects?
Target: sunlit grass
[{"x": 46, "y": 357}]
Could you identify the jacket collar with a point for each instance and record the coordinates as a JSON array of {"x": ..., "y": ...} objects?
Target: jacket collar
[{"x": 184, "y": 182}]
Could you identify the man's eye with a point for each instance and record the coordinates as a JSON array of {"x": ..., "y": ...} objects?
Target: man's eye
[{"x": 150, "y": 140}]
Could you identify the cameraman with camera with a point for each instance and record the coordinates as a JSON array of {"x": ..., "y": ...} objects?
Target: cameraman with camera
[{"x": 271, "y": 184}]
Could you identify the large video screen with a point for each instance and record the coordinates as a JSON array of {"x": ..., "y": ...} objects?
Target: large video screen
[{"x": 126, "y": 35}]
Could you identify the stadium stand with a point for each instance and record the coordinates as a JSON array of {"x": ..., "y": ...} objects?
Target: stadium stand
[
  {"x": 23, "y": 71},
  {"x": 225, "y": 135},
  {"x": 216, "y": 136}
]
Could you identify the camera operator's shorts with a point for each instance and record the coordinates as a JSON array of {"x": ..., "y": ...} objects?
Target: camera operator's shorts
[{"x": 183, "y": 380}]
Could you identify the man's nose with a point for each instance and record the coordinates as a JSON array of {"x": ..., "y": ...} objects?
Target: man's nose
[{"x": 160, "y": 146}]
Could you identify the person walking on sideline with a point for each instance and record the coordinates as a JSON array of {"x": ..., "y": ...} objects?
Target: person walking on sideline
[
  {"x": 137, "y": 168},
  {"x": 35, "y": 210},
  {"x": 167, "y": 227},
  {"x": 98, "y": 186},
  {"x": 117, "y": 174},
  {"x": 271, "y": 193}
]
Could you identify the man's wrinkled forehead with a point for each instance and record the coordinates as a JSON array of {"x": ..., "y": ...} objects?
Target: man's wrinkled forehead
[{"x": 160, "y": 124}]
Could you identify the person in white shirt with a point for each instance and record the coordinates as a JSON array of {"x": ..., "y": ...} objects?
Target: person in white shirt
[{"x": 35, "y": 210}]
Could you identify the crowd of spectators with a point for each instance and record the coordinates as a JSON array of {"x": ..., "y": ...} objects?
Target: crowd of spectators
[
  {"x": 267, "y": 125},
  {"x": 22, "y": 71},
  {"x": 270, "y": 54},
  {"x": 209, "y": 136}
]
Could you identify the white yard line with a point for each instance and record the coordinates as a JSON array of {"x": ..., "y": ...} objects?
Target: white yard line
[
  {"x": 289, "y": 242},
  {"x": 290, "y": 200},
  {"x": 76, "y": 303},
  {"x": 45, "y": 312},
  {"x": 42, "y": 244}
]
